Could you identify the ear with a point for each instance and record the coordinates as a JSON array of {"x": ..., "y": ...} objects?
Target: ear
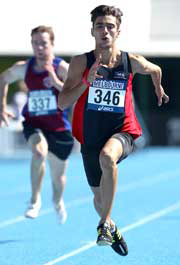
[{"x": 118, "y": 33}]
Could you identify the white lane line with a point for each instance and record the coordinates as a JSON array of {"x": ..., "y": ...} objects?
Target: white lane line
[
  {"x": 12, "y": 221},
  {"x": 143, "y": 221},
  {"x": 22, "y": 218},
  {"x": 145, "y": 182}
]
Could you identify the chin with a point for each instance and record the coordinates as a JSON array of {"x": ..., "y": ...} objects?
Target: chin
[
  {"x": 41, "y": 57},
  {"x": 105, "y": 46}
]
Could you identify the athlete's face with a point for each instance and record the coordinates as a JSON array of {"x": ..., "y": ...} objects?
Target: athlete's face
[
  {"x": 105, "y": 31},
  {"x": 42, "y": 45}
]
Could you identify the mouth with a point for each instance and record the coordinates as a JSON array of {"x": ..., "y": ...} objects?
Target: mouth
[
  {"x": 40, "y": 54},
  {"x": 105, "y": 39}
]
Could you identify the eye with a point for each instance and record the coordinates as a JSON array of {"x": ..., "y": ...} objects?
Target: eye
[
  {"x": 44, "y": 44},
  {"x": 34, "y": 42},
  {"x": 99, "y": 26},
  {"x": 110, "y": 26}
]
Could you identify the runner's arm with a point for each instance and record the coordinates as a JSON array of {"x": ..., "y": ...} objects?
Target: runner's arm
[
  {"x": 11, "y": 75},
  {"x": 73, "y": 87},
  {"x": 142, "y": 66}
]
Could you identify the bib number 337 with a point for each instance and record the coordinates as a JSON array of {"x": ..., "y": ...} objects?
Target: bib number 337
[{"x": 42, "y": 103}]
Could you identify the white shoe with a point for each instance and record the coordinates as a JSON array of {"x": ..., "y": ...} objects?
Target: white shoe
[
  {"x": 61, "y": 212},
  {"x": 33, "y": 209}
]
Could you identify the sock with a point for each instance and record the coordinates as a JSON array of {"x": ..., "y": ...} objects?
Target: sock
[{"x": 113, "y": 228}]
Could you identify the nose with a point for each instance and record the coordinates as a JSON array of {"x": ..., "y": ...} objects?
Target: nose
[
  {"x": 105, "y": 30},
  {"x": 40, "y": 47}
]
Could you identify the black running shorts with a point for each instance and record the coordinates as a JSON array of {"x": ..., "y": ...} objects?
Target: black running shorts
[
  {"x": 59, "y": 143},
  {"x": 91, "y": 158}
]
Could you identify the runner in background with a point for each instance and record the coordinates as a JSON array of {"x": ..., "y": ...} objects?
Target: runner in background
[{"x": 46, "y": 128}]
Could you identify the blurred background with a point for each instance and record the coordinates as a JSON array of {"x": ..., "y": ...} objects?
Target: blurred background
[{"x": 149, "y": 27}]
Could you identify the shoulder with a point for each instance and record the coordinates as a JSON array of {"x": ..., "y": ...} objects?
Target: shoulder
[
  {"x": 141, "y": 65},
  {"x": 79, "y": 59},
  {"x": 15, "y": 72},
  {"x": 138, "y": 62},
  {"x": 19, "y": 66},
  {"x": 136, "y": 58},
  {"x": 78, "y": 64},
  {"x": 61, "y": 68},
  {"x": 76, "y": 69},
  {"x": 21, "y": 63},
  {"x": 63, "y": 64}
]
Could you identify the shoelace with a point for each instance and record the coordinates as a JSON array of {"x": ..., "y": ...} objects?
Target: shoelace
[
  {"x": 117, "y": 234},
  {"x": 104, "y": 231}
]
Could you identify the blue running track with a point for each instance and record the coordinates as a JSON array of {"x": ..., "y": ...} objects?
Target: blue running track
[{"x": 146, "y": 208}]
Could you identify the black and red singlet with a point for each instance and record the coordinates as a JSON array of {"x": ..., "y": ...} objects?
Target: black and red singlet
[{"x": 106, "y": 106}]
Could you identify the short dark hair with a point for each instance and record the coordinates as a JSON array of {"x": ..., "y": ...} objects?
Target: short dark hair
[
  {"x": 42, "y": 29},
  {"x": 104, "y": 10}
]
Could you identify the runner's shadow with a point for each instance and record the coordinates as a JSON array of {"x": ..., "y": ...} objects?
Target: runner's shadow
[{"x": 8, "y": 241}]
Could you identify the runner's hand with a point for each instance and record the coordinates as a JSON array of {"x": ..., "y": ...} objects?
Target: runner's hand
[
  {"x": 4, "y": 117},
  {"x": 94, "y": 68},
  {"x": 161, "y": 95}
]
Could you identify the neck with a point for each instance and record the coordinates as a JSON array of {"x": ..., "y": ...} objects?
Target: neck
[
  {"x": 109, "y": 57},
  {"x": 41, "y": 62}
]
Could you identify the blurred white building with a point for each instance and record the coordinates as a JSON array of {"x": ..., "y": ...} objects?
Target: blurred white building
[{"x": 148, "y": 26}]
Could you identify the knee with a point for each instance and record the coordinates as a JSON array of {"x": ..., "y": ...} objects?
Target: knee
[
  {"x": 106, "y": 159},
  {"x": 40, "y": 152},
  {"x": 59, "y": 179},
  {"x": 58, "y": 183},
  {"x": 39, "y": 147}
]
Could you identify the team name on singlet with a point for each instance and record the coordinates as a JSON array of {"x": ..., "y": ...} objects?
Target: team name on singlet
[
  {"x": 107, "y": 95},
  {"x": 108, "y": 84}
]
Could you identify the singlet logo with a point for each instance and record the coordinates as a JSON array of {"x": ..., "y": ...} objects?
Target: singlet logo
[
  {"x": 47, "y": 82},
  {"x": 104, "y": 108},
  {"x": 119, "y": 75}
]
